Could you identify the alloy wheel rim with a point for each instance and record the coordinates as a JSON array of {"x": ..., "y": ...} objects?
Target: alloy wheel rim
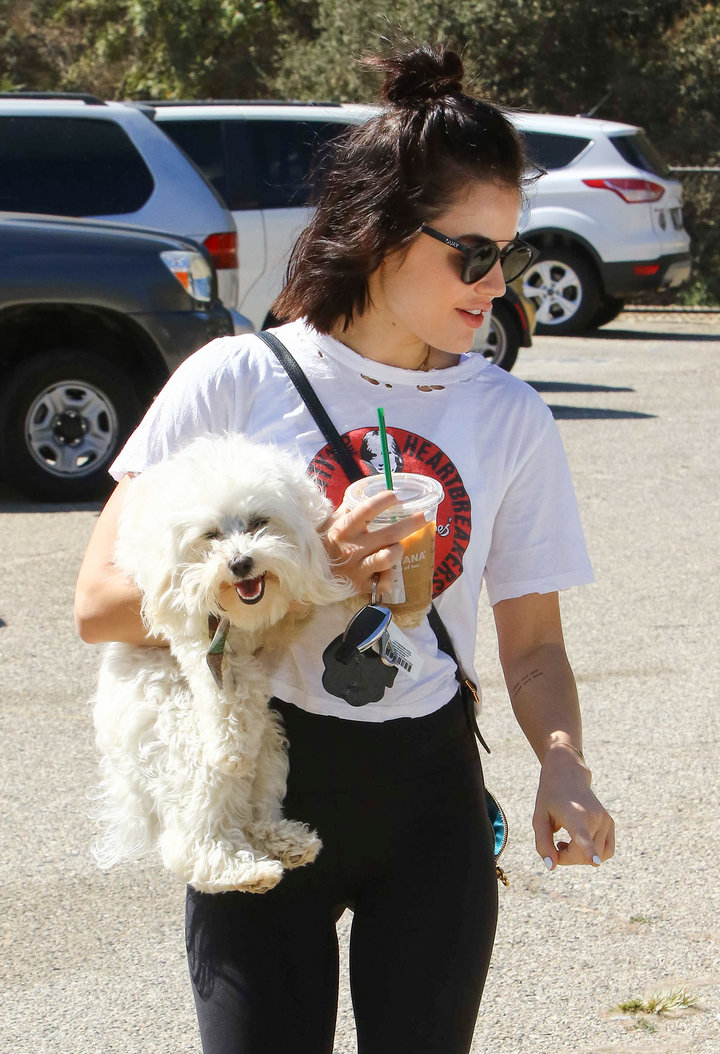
[
  {"x": 555, "y": 289},
  {"x": 70, "y": 428},
  {"x": 495, "y": 344}
]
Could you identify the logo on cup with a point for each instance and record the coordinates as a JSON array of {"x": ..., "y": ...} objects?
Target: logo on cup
[{"x": 409, "y": 453}]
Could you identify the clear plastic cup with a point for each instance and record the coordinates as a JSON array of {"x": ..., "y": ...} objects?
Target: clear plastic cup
[{"x": 410, "y": 593}]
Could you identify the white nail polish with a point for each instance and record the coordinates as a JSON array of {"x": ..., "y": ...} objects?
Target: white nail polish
[
  {"x": 548, "y": 861},
  {"x": 596, "y": 860}
]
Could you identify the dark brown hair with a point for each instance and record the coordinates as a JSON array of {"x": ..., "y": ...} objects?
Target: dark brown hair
[{"x": 400, "y": 169}]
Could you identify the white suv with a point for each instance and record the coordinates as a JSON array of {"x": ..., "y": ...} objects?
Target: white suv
[{"x": 606, "y": 216}]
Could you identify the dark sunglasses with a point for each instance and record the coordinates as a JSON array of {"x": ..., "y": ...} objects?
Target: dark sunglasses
[{"x": 479, "y": 259}]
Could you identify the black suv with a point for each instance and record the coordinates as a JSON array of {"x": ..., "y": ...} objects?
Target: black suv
[{"x": 93, "y": 319}]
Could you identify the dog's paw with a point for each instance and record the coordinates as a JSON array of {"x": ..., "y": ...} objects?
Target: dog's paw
[
  {"x": 244, "y": 874},
  {"x": 293, "y": 843}
]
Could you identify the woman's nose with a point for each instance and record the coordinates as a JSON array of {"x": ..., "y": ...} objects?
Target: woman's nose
[{"x": 493, "y": 283}]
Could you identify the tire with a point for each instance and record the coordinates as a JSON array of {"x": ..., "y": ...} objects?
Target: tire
[
  {"x": 64, "y": 414},
  {"x": 609, "y": 309},
  {"x": 565, "y": 289},
  {"x": 502, "y": 342}
]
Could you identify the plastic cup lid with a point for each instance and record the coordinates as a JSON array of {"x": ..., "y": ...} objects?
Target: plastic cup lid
[{"x": 415, "y": 493}]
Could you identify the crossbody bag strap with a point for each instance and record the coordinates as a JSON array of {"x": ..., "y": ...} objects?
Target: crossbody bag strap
[
  {"x": 468, "y": 690},
  {"x": 352, "y": 470},
  {"x": 294, "y": 371}
]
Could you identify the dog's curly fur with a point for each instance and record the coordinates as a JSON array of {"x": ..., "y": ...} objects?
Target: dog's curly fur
[{"x": 225, "y": 528}]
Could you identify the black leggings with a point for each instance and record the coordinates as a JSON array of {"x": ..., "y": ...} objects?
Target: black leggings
[{"x": 407, "y": 845}]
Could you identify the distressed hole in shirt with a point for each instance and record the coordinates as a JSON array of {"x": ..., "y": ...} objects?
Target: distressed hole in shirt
[
  {"x": 371, "y": 380},
  {"x": 430, "y": 387},
  {"x": 388, "y": 385}
]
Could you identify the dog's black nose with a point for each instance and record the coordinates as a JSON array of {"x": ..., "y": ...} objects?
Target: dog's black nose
[{"x": 241, "y": 566}]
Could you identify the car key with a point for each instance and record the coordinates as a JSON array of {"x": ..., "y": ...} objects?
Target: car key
[{"x": 367, "y": 628}]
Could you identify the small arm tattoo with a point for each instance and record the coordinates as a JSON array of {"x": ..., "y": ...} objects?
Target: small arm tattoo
[{"x": 525, "y": 680}]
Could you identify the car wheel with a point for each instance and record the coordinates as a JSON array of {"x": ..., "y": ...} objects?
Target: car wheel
[
  {"x": 64, "y": 416},
  {"x": 609, "y": 309},
  {"x": 502, "y": 341},
  {"x": 565, "y": 290}
]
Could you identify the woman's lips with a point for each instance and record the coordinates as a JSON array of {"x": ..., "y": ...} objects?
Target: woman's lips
[{"x": 471, "y": 319}]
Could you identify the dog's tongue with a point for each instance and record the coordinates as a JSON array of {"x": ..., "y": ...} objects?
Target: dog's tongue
[{"x": 250, "y": 590}]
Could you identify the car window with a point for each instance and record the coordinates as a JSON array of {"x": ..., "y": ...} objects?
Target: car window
[
  {"x": 291, "y": 159},
  {"x": 550, "y": 150},
  {"x": 637, "y": 150},
  {"x": 203, "y": 142},
  {"x": 70, "y": 167}
]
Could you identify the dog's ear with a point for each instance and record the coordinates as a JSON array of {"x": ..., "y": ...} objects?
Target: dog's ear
[
  {"x": 320, "y": 585},
  {"x": 145, "y": 551}
]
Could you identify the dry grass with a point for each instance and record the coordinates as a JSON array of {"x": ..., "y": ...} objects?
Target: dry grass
[{"x": 659, "y": 1003}]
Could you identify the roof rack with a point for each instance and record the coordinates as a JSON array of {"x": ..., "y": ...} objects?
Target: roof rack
[
  {"x": 89, "y": 100},
  {"x": 236, "y": 102}
]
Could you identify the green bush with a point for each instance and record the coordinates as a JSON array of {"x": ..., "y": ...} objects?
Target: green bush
[{"x": 651, "y": 64}]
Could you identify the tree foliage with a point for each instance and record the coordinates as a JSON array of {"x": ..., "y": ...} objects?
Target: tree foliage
[{"x": 648, "y": 62}]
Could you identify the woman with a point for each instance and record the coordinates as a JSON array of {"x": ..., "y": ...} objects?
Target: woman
[{"x": 412, "y": 240}]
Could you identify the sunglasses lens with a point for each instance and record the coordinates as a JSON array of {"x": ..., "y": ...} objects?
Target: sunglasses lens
[
  {"x": 516, "y": 260},
  {"x": 479, "y": 263}
]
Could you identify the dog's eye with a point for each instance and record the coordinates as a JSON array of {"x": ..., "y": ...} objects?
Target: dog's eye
[
  {"x": 212, "y": 536},
  {"x": 256, "y": 525}
]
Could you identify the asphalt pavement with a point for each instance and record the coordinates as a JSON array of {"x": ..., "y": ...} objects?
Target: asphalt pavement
[{"x": 94, "y": 962}]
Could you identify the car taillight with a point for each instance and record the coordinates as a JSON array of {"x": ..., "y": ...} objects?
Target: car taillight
[
  {"x": 223, "y": 249},
  {"x": 630, "y": 190}
]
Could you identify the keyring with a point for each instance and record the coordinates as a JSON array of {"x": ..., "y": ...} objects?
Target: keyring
[{"x": 374, "y": 595}]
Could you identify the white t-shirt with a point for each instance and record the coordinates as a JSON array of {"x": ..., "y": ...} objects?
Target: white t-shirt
[{"x": 509, "y": 514}]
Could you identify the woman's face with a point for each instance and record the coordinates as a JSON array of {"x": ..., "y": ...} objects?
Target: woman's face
[{"x": 418, "y": 291}]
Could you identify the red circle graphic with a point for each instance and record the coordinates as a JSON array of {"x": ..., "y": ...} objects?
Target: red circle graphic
[{"x": 408, "y": 453}]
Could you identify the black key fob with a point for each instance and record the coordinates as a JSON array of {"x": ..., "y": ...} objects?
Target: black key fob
[{"x": 354, "y": 671}]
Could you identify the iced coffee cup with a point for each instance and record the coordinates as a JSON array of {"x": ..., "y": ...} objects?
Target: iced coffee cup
[{"x": 410, "y": 593}]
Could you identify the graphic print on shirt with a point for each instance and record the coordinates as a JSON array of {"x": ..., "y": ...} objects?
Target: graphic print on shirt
[{"x": 408, "y": 453}]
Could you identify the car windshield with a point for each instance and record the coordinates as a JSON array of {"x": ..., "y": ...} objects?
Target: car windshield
[{"x": 640, "y": 152}]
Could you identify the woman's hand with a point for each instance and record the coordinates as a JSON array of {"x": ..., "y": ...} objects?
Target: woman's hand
[
  {"x": 565, "y": 800},
  {"x": 360, "y": 554}
]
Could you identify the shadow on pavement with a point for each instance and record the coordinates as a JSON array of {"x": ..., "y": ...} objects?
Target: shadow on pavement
[
  {"x": 563, "y": 386},
  {"x": 639, "y": 334},
  {"x": 576, "y": 413},
  {"x": 12, "y": 500}
]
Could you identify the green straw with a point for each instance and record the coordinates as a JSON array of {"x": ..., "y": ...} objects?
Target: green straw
[{"x": 385, "y": 451}]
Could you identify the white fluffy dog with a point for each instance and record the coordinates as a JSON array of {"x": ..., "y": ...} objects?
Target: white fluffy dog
[{"x": 193, "y": 760}]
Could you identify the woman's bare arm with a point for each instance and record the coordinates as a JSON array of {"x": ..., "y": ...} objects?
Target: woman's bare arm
[
  {"x": 107, "y": 602},
  {"x": 544, "y": 697}
]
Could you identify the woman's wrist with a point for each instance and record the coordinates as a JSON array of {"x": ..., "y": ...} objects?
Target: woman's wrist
[{"x": 561, "y": 746}]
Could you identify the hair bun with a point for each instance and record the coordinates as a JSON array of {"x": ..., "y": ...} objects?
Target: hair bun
[{"x": 427, "y": 72}]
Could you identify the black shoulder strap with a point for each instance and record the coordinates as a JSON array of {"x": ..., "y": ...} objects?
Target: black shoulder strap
[
  {"x": 352, "y": 470},
  {"x": 344, "y": 458}
]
